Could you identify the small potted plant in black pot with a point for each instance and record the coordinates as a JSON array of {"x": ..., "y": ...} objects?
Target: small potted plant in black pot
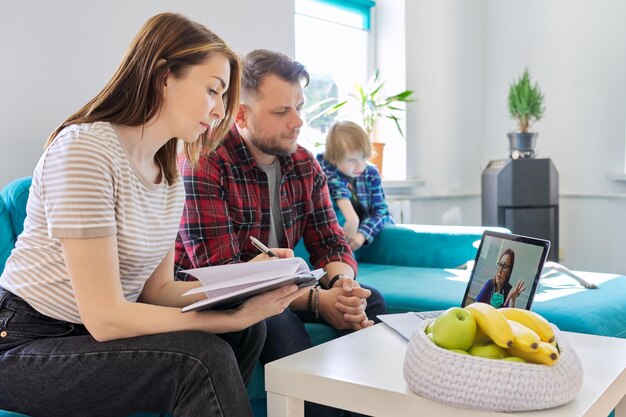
[{"x": 526, "y": 107}]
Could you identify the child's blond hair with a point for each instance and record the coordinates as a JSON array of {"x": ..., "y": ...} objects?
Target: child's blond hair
[{"x": 344, "y": 137}]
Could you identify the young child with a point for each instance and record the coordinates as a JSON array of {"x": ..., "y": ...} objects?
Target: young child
[{"x": 354, "y": 184}]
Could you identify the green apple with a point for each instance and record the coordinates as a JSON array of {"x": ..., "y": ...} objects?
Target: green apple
[
  {"x": 429, "y": 328},
  {"x": 487, "y": 350},
  {"x": 513, "y": 359},
  {"x": 455, "y": 328},
  {"x": 462, "y": 352},
  {"x": 430, "y": 336},
  {"x": 481, "y": 337}
]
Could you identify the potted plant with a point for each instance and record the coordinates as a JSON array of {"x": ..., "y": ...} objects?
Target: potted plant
[
  {"x": 526, "y": 107},
  {"x": 372, "y": 105}
]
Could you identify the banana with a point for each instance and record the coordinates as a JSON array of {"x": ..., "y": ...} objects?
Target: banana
[
  {"x": 545, "y": 354},
  {"x": 492, "y": 323},
  {"x": 524, "y": 338},
  {"x": 532, "y": 320}
]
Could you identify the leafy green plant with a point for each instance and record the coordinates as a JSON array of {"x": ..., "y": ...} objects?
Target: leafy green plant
[
  {"x": 372, "y": 105},
  {"x": 525, "y": 102}
]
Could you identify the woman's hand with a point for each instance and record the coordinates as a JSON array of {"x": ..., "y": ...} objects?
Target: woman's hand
[
  {"x": 514, "y": 293},
  {"x": 268, "y": 304},
  {"x": 280, "y": 252}
]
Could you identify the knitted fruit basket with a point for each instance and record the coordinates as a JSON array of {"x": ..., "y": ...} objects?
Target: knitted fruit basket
[{"x": 488, "y": 384}]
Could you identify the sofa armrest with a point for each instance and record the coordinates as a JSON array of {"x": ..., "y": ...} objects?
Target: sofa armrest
[
  {"x": 7, "y": 238},
  {"x": 424, "y": 246},
  {"x": 15, "y": 196}
]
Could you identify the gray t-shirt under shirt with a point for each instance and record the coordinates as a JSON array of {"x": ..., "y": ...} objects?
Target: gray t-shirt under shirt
[{"x": 277, "y": 229}]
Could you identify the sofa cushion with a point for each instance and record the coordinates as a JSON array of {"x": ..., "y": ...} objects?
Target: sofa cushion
[
  {"x": 15, "y": 195},
  {"x": 573, "y": 308},
  {"x": 423, "y": 245},
  {"x": 7, "y": 238},
  {"x": 11, "y": 414},
  {"x": 415, "y": 289}
]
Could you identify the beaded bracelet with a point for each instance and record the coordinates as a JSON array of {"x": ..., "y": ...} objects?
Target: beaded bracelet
[
  {"x": 316, "y": 305},
  {"x": 310, "y": 302}
]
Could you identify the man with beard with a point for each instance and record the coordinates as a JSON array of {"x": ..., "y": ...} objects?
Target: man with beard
[{"x": 260, "y": 183}]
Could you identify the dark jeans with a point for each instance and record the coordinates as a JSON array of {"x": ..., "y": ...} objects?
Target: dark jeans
[
  {"x": 54, "y": 368},
  {"x": 286, "y": 335}
]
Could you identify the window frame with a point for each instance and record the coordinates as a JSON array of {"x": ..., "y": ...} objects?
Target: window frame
[{"x": 367, "y": 9}]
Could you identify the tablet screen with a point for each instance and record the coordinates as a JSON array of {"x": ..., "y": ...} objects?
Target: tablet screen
[{"x": 506, "y": 270}]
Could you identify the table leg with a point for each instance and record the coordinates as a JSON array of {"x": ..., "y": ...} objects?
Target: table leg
[
  {"x": 620, "y": 409},
  {"x": 282, "y": 406}
]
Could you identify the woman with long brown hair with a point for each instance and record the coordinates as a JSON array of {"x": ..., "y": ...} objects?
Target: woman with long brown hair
[
  {"x": 90, "y": 319},
  {"x": 498, "y": 291}
]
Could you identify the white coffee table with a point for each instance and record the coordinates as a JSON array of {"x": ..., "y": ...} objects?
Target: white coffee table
[{"x": 362, "y": 372}]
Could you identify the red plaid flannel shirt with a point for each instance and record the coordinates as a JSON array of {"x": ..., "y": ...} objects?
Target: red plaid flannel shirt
[{"x": 227, "y": 201}]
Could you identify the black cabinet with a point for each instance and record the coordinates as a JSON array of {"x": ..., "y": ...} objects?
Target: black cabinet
[{"x": 523, "y": 196}]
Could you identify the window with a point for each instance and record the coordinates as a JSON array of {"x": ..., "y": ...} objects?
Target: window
[{"x": 333, "y": 42}]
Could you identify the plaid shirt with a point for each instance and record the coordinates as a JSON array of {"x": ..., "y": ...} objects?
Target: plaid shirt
[
  {"x": 369, "y": 191},
  {"x": 227, "y": 201}
]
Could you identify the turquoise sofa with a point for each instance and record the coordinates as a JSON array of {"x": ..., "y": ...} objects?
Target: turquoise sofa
[{"x": 414, "y": 266}]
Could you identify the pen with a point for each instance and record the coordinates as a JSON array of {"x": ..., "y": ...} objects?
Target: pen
[{"x": 257, "y": 243}]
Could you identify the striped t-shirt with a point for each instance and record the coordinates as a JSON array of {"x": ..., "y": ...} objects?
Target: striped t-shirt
[{"x": 85, "y": 186}]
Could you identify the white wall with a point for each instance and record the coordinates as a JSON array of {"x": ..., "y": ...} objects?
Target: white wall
[
  {"x": 461, "y": 59},
  {"x": 445, "y": 67},
  {"x": 577, "y": 51},
  {"x": 390, "y": 60},
  {"x": 56, "y": 55},
  {"x": 461, "y": 56},
  {"x": 445, "y": 50}
]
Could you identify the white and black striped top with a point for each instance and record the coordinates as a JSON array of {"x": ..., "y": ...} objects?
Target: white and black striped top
[{"x": 85, "y": 186}]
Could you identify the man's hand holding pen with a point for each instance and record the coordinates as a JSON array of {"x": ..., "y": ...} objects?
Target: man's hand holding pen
[
  {"x": 260, "y": 246},
  {"x": 279, "y": 252},
  {"x": 267, "y": 253}
]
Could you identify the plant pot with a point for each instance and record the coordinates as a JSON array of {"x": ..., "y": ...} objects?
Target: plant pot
[
  {"x": 377, "y": 156},
  {"x": 522, "y": 145}
]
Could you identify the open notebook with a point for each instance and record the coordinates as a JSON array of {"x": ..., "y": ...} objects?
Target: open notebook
[{"x": 227, "y": 286}]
